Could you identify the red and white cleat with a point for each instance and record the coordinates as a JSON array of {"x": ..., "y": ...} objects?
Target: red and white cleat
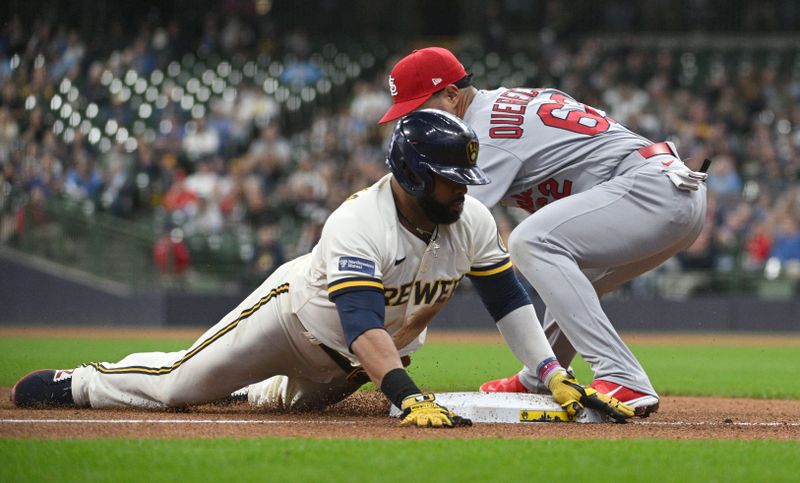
[
  {"x": 506, "y": 384},
  {"x": 643, "y": 404}
]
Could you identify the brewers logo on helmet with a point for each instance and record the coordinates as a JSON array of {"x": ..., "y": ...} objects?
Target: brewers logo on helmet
[{"x": 472, "y": 151}]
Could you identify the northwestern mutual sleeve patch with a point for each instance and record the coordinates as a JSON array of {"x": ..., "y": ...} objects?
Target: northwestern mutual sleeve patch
[{"x": 356, "y": 264}]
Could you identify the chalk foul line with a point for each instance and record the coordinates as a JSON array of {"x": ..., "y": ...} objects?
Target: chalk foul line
[
  {"x": 340, "y": 422},
  {"x": 717, "y": 424},
  {"x": 170, "y": 421}
]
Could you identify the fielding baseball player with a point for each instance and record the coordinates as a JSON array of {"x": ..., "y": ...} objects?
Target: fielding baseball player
[
  {"x": 605, "y": 206},
  {"x": 388, "y": 259}
]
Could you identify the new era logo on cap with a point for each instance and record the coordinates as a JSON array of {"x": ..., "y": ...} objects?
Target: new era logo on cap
[{"x": 417, "y": 76}]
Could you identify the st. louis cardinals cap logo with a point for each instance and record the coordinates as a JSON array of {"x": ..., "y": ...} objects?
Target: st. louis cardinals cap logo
[
  {"x": 392, "y": 87},
  {"x": 472, "y": 151}
]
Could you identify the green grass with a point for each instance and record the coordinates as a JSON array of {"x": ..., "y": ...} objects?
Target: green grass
[
  {"x": 730, "y": 371},
  {"x": 297, "y": 460},
  {"x": 20, "y": 355},
  {"x": 759, "y": 372}
]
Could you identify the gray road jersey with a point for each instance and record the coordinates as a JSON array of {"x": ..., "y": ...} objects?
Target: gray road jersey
[{"x": 540, "y": 145}]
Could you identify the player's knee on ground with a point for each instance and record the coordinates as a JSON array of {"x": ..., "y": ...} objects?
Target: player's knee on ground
[
  {"x": 298, "y": 394},
  {"x": 173, "y": 398},
  {"x": 178, "y": 395}
]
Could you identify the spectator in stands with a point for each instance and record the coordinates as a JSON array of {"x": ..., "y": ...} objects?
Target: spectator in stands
[
  {"x": 221, "y": 122},
  {"x": 300, "y": 72},
  {"x": 628, "y": 101},
  {"x": 171, "y": 133},
  {"x": 83, "y": 181},
  {"x": 207, "y": 220},
  {"x": 730, "y": 236},
  {"x": 255, "y": 202},
  {"x": 94, "y": 90},
  {"x": 254, "y": 106},
  {"x": 9, "y": 130},
  {"x": 179, "y": 197},
  {"x": 148, "y": 176},
  {"x": 171, "y": 255},
  {"x": 200, "y": 140},
  {"x": 369, "y": 102},
  {"x": 787, "y": 239},
  {"x": 117, "y": 195},
  {"x": 759, "y": 244},
  {"x": 307, "y": 187},
  {"x": 32, "y": 217},
  {"x": 701, "y": 255},
  {"x": 737, "y": 110},
  {"x": 205, "y": 182},
  {"x": 724, "y": 181},
  {"x": 268, "y": 157},
  {"x": 69, "y": 57},
  {"x": 271, "y": 148},
  {"x": 269, "y": 254}
]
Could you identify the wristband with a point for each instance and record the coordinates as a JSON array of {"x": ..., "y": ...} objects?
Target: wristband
[
  {"x": 397, "y": 385},
  {"x": 547, "y": 368}
]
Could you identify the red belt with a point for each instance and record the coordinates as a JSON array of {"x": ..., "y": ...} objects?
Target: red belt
[{"x": 656, "y": 149}]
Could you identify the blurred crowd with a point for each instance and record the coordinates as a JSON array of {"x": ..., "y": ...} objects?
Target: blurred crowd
[
  {"x": 224, "y": 161},
  {"x": 745, "y": 117}
]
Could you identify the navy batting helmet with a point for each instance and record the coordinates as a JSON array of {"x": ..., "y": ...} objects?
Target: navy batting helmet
[{"x": 433, "y": 141}]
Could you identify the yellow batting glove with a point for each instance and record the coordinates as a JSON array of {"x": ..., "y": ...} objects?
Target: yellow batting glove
[
  {"x": 573, "y": 397},
  {"x": 422, "y": 410}
]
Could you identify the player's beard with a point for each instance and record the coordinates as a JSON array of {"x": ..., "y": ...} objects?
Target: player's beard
[{"x": 439, "y": 213}]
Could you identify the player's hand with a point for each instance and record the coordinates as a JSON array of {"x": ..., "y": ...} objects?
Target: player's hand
[
  {"x": 573, "y": 397},
  {"x": 423, "y": 411}
]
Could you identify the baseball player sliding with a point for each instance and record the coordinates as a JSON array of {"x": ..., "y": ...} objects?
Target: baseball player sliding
[
  {"x": 605, "y": 204},
  {"x": 388, "y": 259}
]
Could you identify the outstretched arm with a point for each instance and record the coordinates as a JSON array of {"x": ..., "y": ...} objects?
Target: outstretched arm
[
  {"x": 512, "y": 310},
  {"x": 376, "y": 352},
  {"x": 511, "y": 307}
]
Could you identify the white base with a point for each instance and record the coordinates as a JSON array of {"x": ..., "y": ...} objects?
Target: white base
[{"x": 508, "y": 407}]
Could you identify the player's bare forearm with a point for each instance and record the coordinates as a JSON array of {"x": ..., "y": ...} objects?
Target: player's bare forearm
[
  {"x": 376, "y": 351},
  {"x": 377, "y": 354},
  {"x": 405, "y": 336}
]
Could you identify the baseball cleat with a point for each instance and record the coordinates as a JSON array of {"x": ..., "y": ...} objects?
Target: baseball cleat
[
  {"x": 643, "y": 404},
  {"x": 44, "y": 388},
  {"x": 236, "y": 397},
  {"x": 506, "y": 384}
]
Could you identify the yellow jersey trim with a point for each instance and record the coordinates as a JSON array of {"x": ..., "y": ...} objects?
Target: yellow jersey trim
[
  {"x": 491, "y": 271},
  {"x": 355, "y": 283}
]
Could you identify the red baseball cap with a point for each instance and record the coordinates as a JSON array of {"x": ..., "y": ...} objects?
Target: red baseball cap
[{"x": 417, "y": 76}]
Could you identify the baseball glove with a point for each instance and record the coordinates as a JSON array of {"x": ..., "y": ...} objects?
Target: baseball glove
[{"x": 573, "y": 397}]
